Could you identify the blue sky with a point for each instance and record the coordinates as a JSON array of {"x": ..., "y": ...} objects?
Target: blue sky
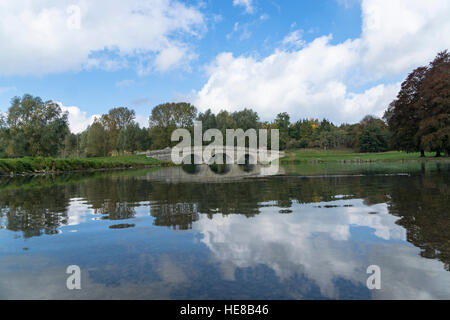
[{"x": 339, "y": 59}]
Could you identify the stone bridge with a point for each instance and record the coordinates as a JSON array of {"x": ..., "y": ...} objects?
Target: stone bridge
[{"x": 241, "y": 155}]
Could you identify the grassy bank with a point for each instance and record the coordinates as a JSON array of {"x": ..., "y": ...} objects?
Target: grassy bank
[
  {"x": 38, "y": 181},
  {"x": 47, "y": 165},
  {"x": 321, "y": 156},
  {"x": 336, "y": 168}
]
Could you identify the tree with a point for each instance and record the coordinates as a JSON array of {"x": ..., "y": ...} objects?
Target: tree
[
  {"x": 306, "y": 129},
  {"x": 166, "y": 118},
  {"x": 129, "y": 138},
  {"x": 208, "y": 119},
  {"x": 83, "y": 142},
  {"x": 36, "y": 128},
  {"x": 372, "y": 135},
  {"x": 419, "y": 118},
  {"x": 434, "y": 110},
  {"x": 282, "y": 122},
  {"x": 114, "y": 123},
  {"x": 371, "y": 120},
  {"x": 97, "y": 140},
  {"x": 402, "y": 116},
  {"x": 325, "y": 125},
  {"x": 71, "y": 146},
  {"x": 246, "y": 119},
  {"x": 144, "y": 140},
  {"x": 121, "y": 117},
  {"x": 179, "y": 115},
  {"x": 347, "y": 134},
  {"x": 225, "y": 121},
  {"x": 4, "y": 137},
  {"x": 373, "y": 139}
]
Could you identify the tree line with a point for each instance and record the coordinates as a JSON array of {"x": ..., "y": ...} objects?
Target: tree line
[
  {"x": 417, "y": 120},
  {"x": 36, "y": 128}
]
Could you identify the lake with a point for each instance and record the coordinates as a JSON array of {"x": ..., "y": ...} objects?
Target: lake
[{"x": 310, "y": 232}]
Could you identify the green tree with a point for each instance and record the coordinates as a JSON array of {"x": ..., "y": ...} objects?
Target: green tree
[
  {"x": 36, "y": 128},
  {"x": 325, "y": 125},
  {"x": 144, "y": 139},
  {"x": 208, "y": 119},
  {"x": 83, "y": 141},
  {"x": 71, "y": 146},
  {"x": 179, "y": 115},
  {"x": 129, "y": 138},
  {"x": 97, "y": 140},
  {"x": 166, "y": 118},
  {"x": 4, "y": 137},
  {"x": 246, "y": 119},
  {"x": 347, "y": 135},
  {"x": 225, "y": 121},
  {"x": 114, "y": 122},
  {"x": 282, "y": 122},
  {"x": 373, "y": 139},
  {"x": 306, "y": 130},
  {"x": 121, "y": 117}
]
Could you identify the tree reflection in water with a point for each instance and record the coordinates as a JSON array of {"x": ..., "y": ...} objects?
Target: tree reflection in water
[{"x": 39, "y": 205}]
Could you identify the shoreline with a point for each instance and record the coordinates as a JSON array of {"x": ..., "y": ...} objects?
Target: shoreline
[
  {"x": 30, "y": 166},
  {"x": 347, "y": 156},
  {"x": 356, "y": 161},
  {"x": 43, "y": 173},
  {"x": 41, "y": 166}
]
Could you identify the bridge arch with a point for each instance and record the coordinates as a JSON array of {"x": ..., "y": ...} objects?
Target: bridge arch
[{"x": 189, "y": 165}]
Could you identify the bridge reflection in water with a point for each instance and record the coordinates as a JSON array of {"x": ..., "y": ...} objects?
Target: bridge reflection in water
[{"x": 212, "y": 173}]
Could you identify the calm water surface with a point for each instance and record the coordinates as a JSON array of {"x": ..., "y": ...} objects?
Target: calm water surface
[{"x": 309, "y": 233}]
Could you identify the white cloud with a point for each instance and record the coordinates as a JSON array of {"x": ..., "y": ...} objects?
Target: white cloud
[
  {"x": 373, "y": 101},
  {"x": 42, "y": 37},
  {"x": 315, "y": 80},
  {"x": 242, "y": 29},
  {"x": 294, "y": 40},
  {"x": 78, "y": 120},
  {"x": 170, "y": 57},
  {"x": 398, "y": 36},
  {"x": 143, "y": 121},
  {"x": 247, "y": 4},
  {"x": 306, "y": 83}
]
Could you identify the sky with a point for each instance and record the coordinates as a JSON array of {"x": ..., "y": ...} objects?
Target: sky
[{"x": 334, "y": 59}]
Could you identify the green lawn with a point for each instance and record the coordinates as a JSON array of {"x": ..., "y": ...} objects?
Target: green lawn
[
  {"x": 311, "y": 155},
  {"x": 36, "y": 165}
]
